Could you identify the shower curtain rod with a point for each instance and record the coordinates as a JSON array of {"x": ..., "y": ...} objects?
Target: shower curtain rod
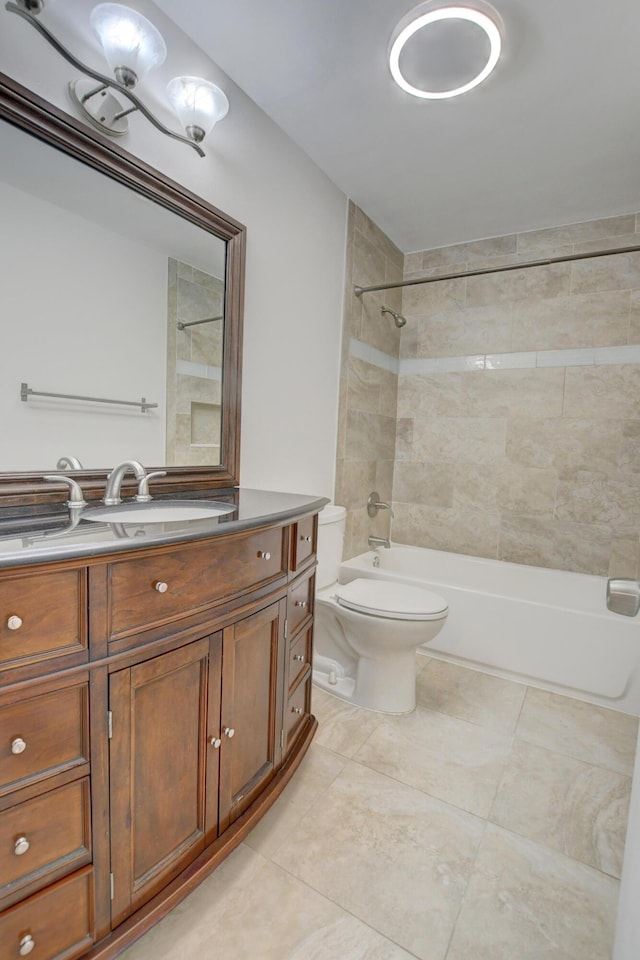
[{"x": 358, "y": 290}]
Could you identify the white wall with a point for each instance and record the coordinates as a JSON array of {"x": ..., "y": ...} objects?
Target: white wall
[
  {"x": 296, "y": 221},
  {"x": 107, "y": 340}
]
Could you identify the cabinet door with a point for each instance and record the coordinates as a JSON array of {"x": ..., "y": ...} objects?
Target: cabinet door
[
  {"x": 164, "y": 771},
  {"x": 252, "y": 692}
]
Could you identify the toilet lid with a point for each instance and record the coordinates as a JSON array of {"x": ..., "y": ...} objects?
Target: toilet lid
[{"x": 386, "y": 598}]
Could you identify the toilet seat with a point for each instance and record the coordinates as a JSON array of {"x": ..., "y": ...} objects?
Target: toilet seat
[{"x": 391, "y": 600}]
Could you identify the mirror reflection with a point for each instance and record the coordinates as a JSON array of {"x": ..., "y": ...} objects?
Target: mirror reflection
[{"x": 108, "y": 295}]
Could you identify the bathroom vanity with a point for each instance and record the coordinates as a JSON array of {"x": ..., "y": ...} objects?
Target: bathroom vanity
[{"x": 155, "y": 699}]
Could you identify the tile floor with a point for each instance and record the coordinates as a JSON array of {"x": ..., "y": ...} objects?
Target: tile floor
[{"x": 488, "y": 825}]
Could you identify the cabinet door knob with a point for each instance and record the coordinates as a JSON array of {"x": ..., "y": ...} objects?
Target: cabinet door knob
[
  {"x": 305, "y": 539},
  {"x": 14, "y": 622},
  {"x": 297, "y": 710},
  {"x": 18, "y": 745},
  {"x": 229, "y": 732},
  {"x": 21, "y": 846},
  {"x": 301, "y": 603},
  {"x": 215, "y": 742},
  {"x": 160, "y": 586},
  {"x": 27, "y": 943},
  {"x": 298, "y": 657},
  {"x": 264, "y": 555}
]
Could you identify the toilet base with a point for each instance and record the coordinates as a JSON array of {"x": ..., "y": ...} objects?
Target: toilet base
[{"x": 387, "y": 687}]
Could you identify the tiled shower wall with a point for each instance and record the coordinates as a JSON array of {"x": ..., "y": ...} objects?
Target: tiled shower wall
[
  {"x": 368, "y": 390},
  {"x": 518, "y": 408}
]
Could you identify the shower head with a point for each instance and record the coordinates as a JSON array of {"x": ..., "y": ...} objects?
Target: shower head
[{"x": 398, "y": 319}]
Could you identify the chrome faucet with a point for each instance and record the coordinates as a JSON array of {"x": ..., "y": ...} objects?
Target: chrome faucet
[
  {"x": 379, "y": 542},
  {"x": 374, "y": 503},
  {"x": 114, "y": 481}
]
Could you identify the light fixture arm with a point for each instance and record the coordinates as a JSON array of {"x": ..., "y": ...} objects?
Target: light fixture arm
[{"x": 100, "y": 77}]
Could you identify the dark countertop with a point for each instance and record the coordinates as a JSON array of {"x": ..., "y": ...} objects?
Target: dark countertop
[{"x": 43, "y": 538}]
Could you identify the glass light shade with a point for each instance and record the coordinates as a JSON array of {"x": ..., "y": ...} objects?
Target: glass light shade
[
  {"x": 198, "y": 103},
  {"x": 131, "y": 44}
]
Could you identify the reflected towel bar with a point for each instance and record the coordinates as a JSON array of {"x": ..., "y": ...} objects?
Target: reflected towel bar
[
  {"x": 26, "y": 392},
  {"x": 194, "y": 323}
]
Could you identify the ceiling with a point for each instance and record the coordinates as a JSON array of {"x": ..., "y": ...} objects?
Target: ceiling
[{"x": 551, "y": 137}]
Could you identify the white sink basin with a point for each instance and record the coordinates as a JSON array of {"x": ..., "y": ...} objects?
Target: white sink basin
[{"x": 158, "y": 511}]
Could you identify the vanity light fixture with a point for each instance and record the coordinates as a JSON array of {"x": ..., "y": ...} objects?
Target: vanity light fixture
[
  {"x": 132, "y": 46},
  {"x": 482, "y": 43}
]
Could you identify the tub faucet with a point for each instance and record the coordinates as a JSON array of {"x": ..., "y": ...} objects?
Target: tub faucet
[
  {"x": 374, "y": 503},
  {"x": 114, "y": 481},
  {"x": 379, "y": 542}
]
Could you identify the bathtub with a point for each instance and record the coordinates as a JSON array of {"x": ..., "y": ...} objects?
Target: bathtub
[{"x": 548, "y": 628}]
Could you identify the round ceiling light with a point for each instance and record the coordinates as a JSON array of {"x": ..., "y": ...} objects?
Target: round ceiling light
[{"x": 458, "y": 51}]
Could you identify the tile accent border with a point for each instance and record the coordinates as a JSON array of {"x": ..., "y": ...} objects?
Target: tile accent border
[{"x": 583, "y": 357}]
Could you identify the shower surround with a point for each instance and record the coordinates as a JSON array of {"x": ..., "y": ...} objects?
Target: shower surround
[{"x": 517, "y": 422}]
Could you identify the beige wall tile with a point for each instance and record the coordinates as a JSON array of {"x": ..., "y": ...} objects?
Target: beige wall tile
[
  {"x": 426, "y": 483},
  {"x": 580, "y": 320},
  {"x": 516, "y": 393},
  {"x": 434, "y": 394},
  {"x": 589, "y": 497},
  {"x": 421, "y": 300},
  {"x": 620, "y": 272},
  {"x": 607, "y": 392},
  {"x": 505, "y": 487},
  {"x": 404, "y": 439},
  {"x": 370, "y": 436},
  {"x": 565, "y": 443},
  {"x": 445, "y": 528},
  {"x": 461, "y": 439},
  {"x": 560, "y": 545},
  {"x": 465, "y": 331},
  {"x": 540, "y": 241},
  {"x": 539, "y": 282},
  {"x": 625, "y": 557},
  {"x": 364, "y": 386}
]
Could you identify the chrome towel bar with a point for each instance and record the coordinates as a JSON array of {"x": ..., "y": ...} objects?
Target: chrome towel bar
[{"x": 26, "y": 392}]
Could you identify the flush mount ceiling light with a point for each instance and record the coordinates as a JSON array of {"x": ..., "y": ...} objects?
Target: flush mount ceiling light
[
  {"x": 441, "y": 52},
  {"x": 132, "y": 46}
]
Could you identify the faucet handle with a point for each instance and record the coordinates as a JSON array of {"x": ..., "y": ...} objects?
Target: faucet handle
[
  {"x": 76, "y": 497},
  {"x": 374, "y": 503},
  {"x": 143, "y": 495}
]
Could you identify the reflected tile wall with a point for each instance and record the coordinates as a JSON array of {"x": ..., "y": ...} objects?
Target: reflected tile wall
[{"x": 538, "y": 465}]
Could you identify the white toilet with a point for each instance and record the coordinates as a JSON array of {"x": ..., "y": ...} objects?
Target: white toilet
[{"x": 367, "y": 631}]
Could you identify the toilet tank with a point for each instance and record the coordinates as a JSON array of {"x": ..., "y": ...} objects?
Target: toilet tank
[{"x": 331, "y": 526}]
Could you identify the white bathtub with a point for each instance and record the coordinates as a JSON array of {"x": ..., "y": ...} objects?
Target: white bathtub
[{"x": 545, "y": 627}]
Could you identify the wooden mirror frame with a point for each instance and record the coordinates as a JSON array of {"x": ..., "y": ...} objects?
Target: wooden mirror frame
[{"x": 26, "y": 110}]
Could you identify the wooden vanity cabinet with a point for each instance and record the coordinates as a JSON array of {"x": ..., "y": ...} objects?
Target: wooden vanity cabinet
[{"x": 126, "y": 779}]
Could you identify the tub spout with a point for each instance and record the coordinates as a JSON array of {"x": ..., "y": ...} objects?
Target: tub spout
[{"x": 379, "y": 542}]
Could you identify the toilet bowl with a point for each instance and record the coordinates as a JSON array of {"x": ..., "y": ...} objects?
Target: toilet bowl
[{"x": 367, "y": 631}]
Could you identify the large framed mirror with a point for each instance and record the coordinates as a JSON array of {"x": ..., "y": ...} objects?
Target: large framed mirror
[{"x": 120, "y": 314}]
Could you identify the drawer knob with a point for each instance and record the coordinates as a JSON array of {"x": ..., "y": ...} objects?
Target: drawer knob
[
  {"x": 297, "y": 710},
  {"x": 298, "y": 657},
  {"x": 301, "y": 603},
  {"x": 161, "y": 586},
  {"x": 27, "y": 944},
  {"x": 264, "y": 555},
  {"x": 14, "y": 622},
  {"x": 305, "y": 539},
  {"x": 18, "y": 745},
  {"x": 229, "y": 732},
  {"x": 215, "y": 742},
  {"x": 21, "y": 846}
]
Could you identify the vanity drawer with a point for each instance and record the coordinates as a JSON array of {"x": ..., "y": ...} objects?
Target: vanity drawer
[
  {"x": 303, "y": 541},
  {"x": 173, "y": 583},
  {"x": 299, "y": 657},
  {"x": 47, "y": 834},
  {"x": 300, "y": 604},
  {"x": 43, "y": 735},
  {"x": 298, "y": 710},
  {"x": 41, "y": 617},
  {"x": 55, "y": 924}
]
